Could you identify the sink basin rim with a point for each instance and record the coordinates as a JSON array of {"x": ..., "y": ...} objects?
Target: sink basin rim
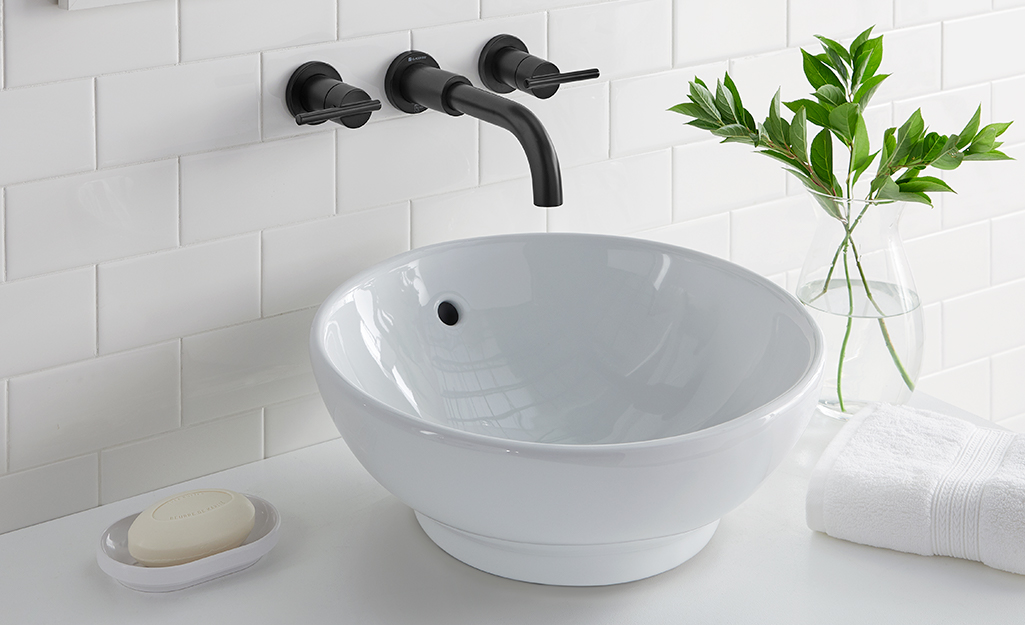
[{"x": 751, "y": 419}]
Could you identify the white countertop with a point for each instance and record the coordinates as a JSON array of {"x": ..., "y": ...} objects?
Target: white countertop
[{"x": 351, "y": 553}]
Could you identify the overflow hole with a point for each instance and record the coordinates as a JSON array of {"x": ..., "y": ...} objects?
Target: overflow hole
[{"x": 448, "y": 313}]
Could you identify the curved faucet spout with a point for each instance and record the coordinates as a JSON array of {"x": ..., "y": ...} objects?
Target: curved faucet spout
[
  {"x": 414, "y": 82},
  {"x": 526, "y": 127}
]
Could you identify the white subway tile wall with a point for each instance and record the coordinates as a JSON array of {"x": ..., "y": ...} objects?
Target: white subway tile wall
[
  {"x": 246, "y": 366},
  {"x": 295, "y": 424},
  {"x": 168, "y": 230},
  {"x": 181, "y": 455}
]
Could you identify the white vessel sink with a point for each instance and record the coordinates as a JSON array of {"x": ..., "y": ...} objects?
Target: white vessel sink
[{"x": 596, "y": 408}]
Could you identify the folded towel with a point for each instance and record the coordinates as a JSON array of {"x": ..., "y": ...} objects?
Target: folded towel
[{"x": 924, "y": 483}]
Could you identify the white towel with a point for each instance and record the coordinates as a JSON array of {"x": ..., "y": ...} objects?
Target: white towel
[{"x": 924, "y": 483}]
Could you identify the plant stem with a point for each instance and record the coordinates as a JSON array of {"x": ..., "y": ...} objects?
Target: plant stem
[
  {"x": 882, "y": 322},
  {"x": 847, "y": 334}
]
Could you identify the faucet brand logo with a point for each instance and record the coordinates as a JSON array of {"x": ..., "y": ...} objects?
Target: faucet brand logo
[{"x": 416, "y": 58}]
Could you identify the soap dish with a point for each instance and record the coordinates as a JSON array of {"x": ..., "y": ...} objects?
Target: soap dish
[{"x": 113, "y": 557}]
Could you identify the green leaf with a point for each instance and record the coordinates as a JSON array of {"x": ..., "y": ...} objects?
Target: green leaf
[
  {"x": 986, "y": 139},
  {"x": 817, "y": 114},
  {"x": 833, "y": 61},
  {"x": 992, "y": 155},
  {"x": 831, "y": 96},
  {"x": 910, "y": 174},
  {"x": 700, "y": 94},
  {"x": 799, "y": 135},
  {"x": 818, "y": 73},
  {"x": 860, "y": 157},
  {"x": 828, "y": 204},
  {"x": 734, "y": 130},
  {"x": 738, "y": 105},
  {"x": 822, "y": 158},
  {"x": 781, "y": 157},
  {"x": 890, "y": 190},
  {"x": 774, "y": 124},
  {"x": 925, "y": 184},
  {"x": 868, "y": 89},
  {"x": 724, "y": 103},
  {"x": 693, "y": 110},
  {"x": 864, "y": 166},
  {"x": 949, "y": 160},
  {"x": 889, "y": 145},
  {"x": 907, "y": 136},
  {"x": 844, "y": 120},
  {"x": 837, "y": 49},
  {"x": 860, "y": 41},
  {"x": 969, "y": 132},
  {"x": 873, "y": 48},
  {"x": 933, "y": 145},
  {"x": 703, "y": 125}
]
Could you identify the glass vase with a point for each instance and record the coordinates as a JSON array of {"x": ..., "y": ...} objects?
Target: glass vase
[{"x": 857, "y": 284}]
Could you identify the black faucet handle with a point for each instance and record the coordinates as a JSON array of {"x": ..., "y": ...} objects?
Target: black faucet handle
[
  {"x": 547, "y": 80},
  {"x": 315, "y": 94},
  {"x": 505, "y": 64},
  {"x": 338, "y": 112}
]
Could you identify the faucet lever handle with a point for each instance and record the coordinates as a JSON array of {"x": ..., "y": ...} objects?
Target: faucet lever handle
[
  {"x": 505, "y": 64},
  {"x": 338, "y": 112},
  {"x": 549, "y": 80},
  {"x": 315, "y": 94}
]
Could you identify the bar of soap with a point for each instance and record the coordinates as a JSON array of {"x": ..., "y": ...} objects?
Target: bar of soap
[{"x": 189, "y": 526}]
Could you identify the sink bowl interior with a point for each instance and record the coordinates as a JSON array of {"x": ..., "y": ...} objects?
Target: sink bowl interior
[{"x": 568, "y": 339}]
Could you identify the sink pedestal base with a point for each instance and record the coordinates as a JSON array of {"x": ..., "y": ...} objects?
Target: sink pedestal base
[{"x": 568, "y": 565}]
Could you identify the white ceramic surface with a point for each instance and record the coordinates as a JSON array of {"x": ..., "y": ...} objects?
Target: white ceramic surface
[
  {"x": 54, "y": 132},
  {"x": 113, "y": 557},
  {"x": 47, "y": 320},
  {"x": 597, "y": 393},
  {"x": 102, "y": 402},
  {"x": 201, "y": 106}
]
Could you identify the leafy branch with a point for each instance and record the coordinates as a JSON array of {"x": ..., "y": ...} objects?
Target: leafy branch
[{"x": 843, "y": 82}]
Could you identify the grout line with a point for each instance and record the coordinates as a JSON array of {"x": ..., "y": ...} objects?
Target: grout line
[
  {"x": 181, "y": 384},
  {"x": 178, "y": 31},
  {"x": 7, "y": 426},
  {"x": 259, "y": 272},
  {"x": 409, "y": 230},
  {"x": 99, "y": 477},
  {"x": 263, "y": 430},
  {"x": 96, "y": 309},
  {"x": 3, "y": 48},
  {"x": 992, "y": 413},
  {"x": 3, "y": 233},
  {"x": 943, "y": 29},
  {"x": 786, "y": 25},
  {"x": 259, "y": 99},
  {"x": 672, "y": 34},
  {"x": 477, "y": 145},
  {"x": 608, "y": 120},
  {"x": 178, "y": 168},
  {"x": 336, "y": 178},
  {"x": 96, "y": 126}
]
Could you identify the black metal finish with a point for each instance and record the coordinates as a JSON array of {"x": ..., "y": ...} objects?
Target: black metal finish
[
  {"x": 546, "y": 178},
  {"x": 315, "y": 94},
  {"x": 448, "y": 313},
  {"x": 414, "y": 83},
  {"x": 506, "y": 64}
]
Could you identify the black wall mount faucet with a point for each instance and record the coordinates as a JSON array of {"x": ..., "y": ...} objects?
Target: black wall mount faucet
[
  {"x": 505, "y": 64},
  {"x": 315, "y": 94},
  {"x": 415, "y": 82}
]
